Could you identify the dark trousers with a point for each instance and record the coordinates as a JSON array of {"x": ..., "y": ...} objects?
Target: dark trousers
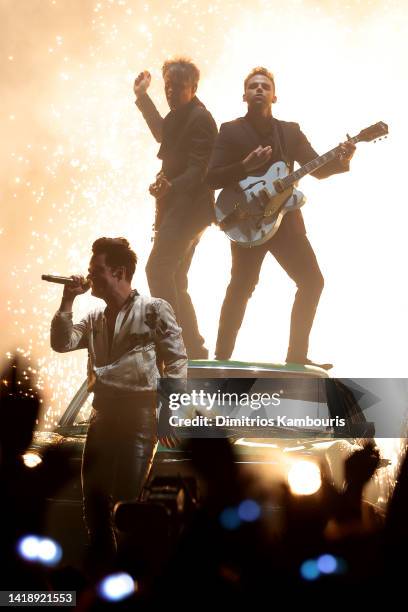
[
  {"x": 116, "y": 462},
  {"x": 294, "y": 253},
  {"x": 167, "y": 269}
]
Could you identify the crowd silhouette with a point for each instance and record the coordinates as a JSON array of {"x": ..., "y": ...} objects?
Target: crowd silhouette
[{"x": 237, "y": 545}]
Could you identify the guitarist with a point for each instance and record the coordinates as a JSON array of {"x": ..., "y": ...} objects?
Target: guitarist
[
  {"x": 249, "y": 145},
  {"x": 184, "y": 201}
]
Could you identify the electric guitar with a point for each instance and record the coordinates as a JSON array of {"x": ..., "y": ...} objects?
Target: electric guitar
[{"x": 250, "y": 212}]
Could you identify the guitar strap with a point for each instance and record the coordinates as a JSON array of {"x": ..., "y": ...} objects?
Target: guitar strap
[{"x": 281, "y": 144}]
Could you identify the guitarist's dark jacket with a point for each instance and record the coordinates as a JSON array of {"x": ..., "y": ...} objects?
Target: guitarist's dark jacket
[
  {"x": 238, "y": 138},
  {"x": 187, "y": 136}
]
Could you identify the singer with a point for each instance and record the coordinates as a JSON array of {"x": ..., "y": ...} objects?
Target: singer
[{"x": 125, "y": 341}]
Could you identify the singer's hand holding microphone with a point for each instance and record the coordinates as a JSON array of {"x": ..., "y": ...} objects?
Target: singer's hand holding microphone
[
  {"x": 73, "y": 285},
  {"x": 78, "y": 286}
]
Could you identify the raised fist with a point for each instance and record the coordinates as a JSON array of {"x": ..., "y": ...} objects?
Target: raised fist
[{"x": 142, "y": 83}]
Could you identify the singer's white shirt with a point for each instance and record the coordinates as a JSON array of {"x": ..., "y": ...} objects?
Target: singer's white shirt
[{"x": 145, "y": 329}]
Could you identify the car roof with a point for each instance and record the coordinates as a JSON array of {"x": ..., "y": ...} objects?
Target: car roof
[{"x": 258, "y": 366}]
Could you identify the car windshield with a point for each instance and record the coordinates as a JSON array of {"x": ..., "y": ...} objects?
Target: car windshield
[{"x": 254, "y": 394}]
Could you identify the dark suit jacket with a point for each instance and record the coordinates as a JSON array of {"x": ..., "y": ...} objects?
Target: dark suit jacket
[
  {"x": 187, "y": 137},
  {"x": 238, "y": 138}
]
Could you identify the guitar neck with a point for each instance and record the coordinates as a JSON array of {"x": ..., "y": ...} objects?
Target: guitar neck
[{"x": 311, "y": 166}]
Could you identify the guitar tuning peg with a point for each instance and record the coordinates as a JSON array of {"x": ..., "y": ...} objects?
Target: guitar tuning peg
[{"x": 348, "y": 136}]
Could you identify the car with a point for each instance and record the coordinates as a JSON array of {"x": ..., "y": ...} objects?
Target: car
[{"x": 271, "y": 454}]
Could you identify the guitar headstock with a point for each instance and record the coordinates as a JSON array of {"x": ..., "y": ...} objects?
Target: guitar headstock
[{"x": 374, "y": 131}]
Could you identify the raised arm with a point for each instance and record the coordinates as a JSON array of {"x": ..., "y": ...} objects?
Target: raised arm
[
  {"x": 65, "y": 336},
  {"x": 146, "y": 105}
]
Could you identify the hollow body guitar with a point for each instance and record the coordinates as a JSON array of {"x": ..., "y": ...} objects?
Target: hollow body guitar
[{"x": 251, "y": 211}]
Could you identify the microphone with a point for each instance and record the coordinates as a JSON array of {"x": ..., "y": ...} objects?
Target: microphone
[{"x": 60, "y": 280}]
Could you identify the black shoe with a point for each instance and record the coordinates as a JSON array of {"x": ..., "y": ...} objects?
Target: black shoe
[{"x": 309, "y": 362}]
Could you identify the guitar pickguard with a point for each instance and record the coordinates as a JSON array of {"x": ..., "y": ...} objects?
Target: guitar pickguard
[{"x": 250, "y": 213}]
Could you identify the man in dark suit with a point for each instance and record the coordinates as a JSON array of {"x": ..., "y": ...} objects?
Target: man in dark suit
[
  {"x": 184, "y": 201},
  {"x": 251, "y": 144}
]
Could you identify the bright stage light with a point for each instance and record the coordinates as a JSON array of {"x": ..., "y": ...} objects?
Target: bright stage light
[
  {"x": 42, "y": 550},
  {"x": 49, "y": 552},
  {"x": 327, "y": 564},
  {"x": 304, "y": 478},
  {"x": 28, "y": 547},
  {"x": 117, "y": 586},
  {"x": 31, "y": 460}
]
